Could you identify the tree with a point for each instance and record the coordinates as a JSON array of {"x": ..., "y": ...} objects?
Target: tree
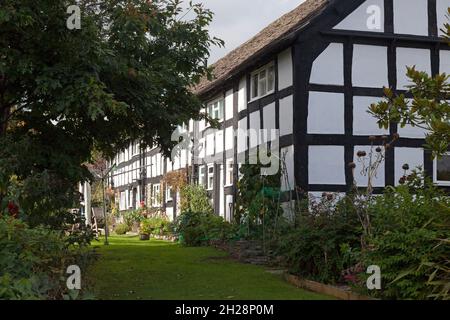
[
  {"x": 126, "y": 75},
  {"x": 429, "y": 107}
]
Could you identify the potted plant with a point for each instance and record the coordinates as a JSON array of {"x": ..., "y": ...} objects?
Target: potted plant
[{"x": 145, "y": 230}]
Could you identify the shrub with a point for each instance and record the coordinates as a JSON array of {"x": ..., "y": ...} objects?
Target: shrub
[
  {"x": 194, "y": 198},
  {"x": 410, "y": 240},
  {"x": 317, "y": 247},
  {"x": 33, "y": 261},
  {"x": 122, "y": 229},
  {"x": 155, "y": 226},
  {"x": 133, "y": 217},
  {"x": 196, "y": 229},
  {"x": 258, "y": 197}
]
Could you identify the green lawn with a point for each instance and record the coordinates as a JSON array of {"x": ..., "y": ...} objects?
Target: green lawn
[{"x": 133, "y": 269}]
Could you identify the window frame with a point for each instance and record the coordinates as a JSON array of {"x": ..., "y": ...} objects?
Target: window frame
[
  {"x": 435, "y": 173},
  {"x": 202, "y": 175},
  {"x": 258, "y": 73},
  {"x": 229, "y": 173},
  {"x": 220, "y": 102},
  {"x": 168, "y": 193},
  {"x": 208, "y": 187},
  {"x": 122, "y": 201}
]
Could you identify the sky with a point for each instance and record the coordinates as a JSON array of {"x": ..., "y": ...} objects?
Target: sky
[{"x": 236, "y": 21}]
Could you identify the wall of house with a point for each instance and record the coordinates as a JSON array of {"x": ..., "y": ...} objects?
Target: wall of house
[
  {"x": 322, "y": 88},
  {"x": 232, "y": 144},
  {"x": 341, "y": 71}
]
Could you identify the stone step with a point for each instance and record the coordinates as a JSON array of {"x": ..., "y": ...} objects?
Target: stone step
[{"x": 257, "y": 261}]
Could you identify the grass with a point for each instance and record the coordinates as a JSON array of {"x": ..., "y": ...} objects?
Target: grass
[{"x": 130, "y": 269}]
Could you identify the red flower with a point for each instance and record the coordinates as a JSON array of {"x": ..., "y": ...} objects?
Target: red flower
[
  {"x": 13, "y": 209},
  {"x": 142, "y": 204}
]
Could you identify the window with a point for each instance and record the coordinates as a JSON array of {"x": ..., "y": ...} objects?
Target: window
[
  {"x": 263, "y": 81},
  {"x": 168, "y": 193},
  {"x": 158, "y": 164},
  {"x": 229, "y": 177},
  {"x": 442, "y": 170},
  {"x": 216, "y": 109},
  {"x": 130, "y": 199},
  {"x": 153, "y": 166},
  {"x": 156, "y": 195},
  {"x": 210, "y": 177},
  {"x": 201, "y": 175}
]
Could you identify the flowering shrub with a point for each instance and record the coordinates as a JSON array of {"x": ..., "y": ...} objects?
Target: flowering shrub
[{"x": 133, "y": 217}]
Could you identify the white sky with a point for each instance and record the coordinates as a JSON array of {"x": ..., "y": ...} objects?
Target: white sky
[{"x": 236, "y": 21}]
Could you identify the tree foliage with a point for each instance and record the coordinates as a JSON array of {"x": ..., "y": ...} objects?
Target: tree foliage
[{"x": 126, "y": 75}]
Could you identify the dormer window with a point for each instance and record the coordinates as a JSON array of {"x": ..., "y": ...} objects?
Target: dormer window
[{"x": 263, "y": 81}]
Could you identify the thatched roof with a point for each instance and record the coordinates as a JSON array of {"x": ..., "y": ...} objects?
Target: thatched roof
[{"x": 290, "y": 22}]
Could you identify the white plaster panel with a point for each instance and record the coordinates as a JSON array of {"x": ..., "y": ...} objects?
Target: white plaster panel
[
  {"x": 369, "y": 16},
  {"x": 408, "y": 57},
  {"x": 288, "y": 177},
  {"x": 370, "y": 66},
  {"x": 210, "y": 144},
  {"x": 364, "y": 124},
  {"x": 229, "y": 138},
  {"x": 269, "y": 121},
  {"x": 444, "y": 61},
  {"x": 229, "y": 98},
  {"x": 411, "y": 132},
  {"x": 202, "y": 123},
  {"x": 326, "y": 165},
  {"x": 242, "y": 135},
  {"x": 414, "y": 157},
  {"x": 242, "y": 95},
  {"x": 183, "y": 159},
  {"x": 362, "y": 177},
  {"x": 328, "y": 68},
  {"x": 286, "y": 116},
  {"x": 255, "y": 125},
  {"x": 442, "y": 11},
  {"x": 219, "y": 141},
  {"x": 411, "y": 17},
  {"x": 408, "y": 131},
  {"x": 169, "y": 213},
  {"x": 202, "y": 150},
  {"x": 326, "y": 113},
  {"x": 285, "y": 71}
]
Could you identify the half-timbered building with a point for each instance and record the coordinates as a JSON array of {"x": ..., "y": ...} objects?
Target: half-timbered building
[{"x": 312, "y": 74}]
